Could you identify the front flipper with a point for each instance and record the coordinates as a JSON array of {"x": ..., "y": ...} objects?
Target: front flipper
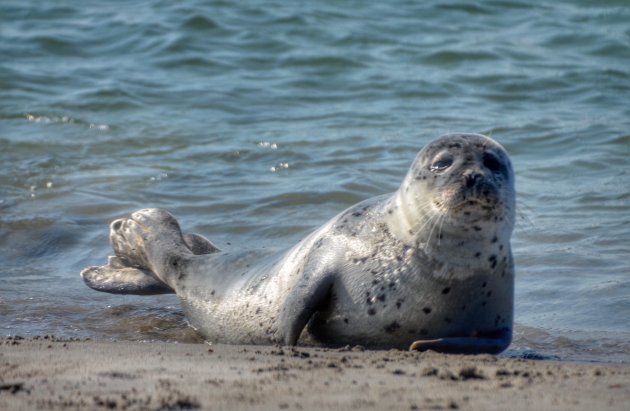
[
  {"x": 491, "y": 344},
  {"x": 303, "y": 301},
  {"x": 118, "y": 278}
]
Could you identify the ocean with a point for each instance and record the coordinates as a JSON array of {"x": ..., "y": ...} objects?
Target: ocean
[{"x": 254, "y": 122}]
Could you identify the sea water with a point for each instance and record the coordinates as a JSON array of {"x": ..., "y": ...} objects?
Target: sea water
[{"x": 256, "y": 121}]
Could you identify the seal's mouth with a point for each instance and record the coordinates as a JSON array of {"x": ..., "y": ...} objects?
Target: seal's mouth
[
  {"x": 479, "y": 204},
  {"x": 471, "y": 207}
]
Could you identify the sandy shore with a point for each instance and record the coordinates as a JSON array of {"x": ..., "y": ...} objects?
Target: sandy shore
[{"x": 49, "y": 373}]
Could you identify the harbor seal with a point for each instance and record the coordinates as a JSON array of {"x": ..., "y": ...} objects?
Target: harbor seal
[{"x": 427, "y": 267}]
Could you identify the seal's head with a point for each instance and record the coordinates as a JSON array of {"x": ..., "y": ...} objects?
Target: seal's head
[{"x": 462, "y": 183}]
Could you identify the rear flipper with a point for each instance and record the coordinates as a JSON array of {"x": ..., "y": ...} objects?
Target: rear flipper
[
  {"x": 491, "y": 344},
  {"x": 199, "y": 244},
  {"x": 118, "y": 278},
  {"x": 121, "y": 277}
]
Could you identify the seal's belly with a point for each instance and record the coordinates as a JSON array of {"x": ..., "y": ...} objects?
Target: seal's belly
[{"x": 397, "y": 313}]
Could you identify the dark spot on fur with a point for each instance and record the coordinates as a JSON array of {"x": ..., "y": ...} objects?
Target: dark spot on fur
[
  {"x": 356, "y": 214},
  {"x": 212, "y": 292},
  {"x": 493, "y": 260},
  {"x": 501, "y": 247},
  {"x": 258, "y": 310},
  {"x": 394, "y": 326},
  {"x": 399, "y": 302},
  {"x": 494, "y": 239},
  {"x": 483, "y": 304},
  {"x": 446, "y": 290},
  {"x": 345, "y": 320},
  {"x": 447, "y": 320},
  {"x": 489, "y": 293},
  {"x": 484, "y": 284},
  {"x": 390, "y": 211},
  {"x": 476, "y": 228},
  {"x": 426, "y": 310},
  {"x": 181, "y": 276},
  {"x": 478, "y": 254},
  {"x": 391, "y": 284},
  {"x": 371, "y": 311},
  {"x": 381, "y": 297},
  {"x": 463, "y": 308},
  {"x": 374, "y": 282}
]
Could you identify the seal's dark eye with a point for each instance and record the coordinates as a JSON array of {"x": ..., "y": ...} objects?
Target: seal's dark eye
[
  {"x": 441, "y": 164},
  {"x": 492, "y": 163}
]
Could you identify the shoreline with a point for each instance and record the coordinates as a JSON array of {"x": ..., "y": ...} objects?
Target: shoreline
[{"x": 56, "y": 373}]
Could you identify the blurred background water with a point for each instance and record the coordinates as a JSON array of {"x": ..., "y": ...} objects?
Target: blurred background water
[{"x": 254, "y": 122}]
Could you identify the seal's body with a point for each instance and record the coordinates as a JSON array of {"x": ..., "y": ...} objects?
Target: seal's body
[{"x": 429, "y": 266}]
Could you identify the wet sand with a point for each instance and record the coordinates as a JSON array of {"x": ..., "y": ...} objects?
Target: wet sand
[{"x": 52, "y": 373}]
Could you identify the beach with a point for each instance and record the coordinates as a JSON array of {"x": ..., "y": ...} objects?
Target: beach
[{"x": 54, "y": 373}]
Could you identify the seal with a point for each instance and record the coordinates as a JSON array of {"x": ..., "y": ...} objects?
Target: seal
[{"x": 427, "y": 267}]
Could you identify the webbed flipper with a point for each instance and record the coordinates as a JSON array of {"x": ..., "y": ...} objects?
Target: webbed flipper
[
  {"x": 484, "y": 344},
  {"x": 118, "y": 278},
  {"x": 199, "y": 244},
  {"x": 304, "y": 300},
  {"x": 124, "y": 276}
]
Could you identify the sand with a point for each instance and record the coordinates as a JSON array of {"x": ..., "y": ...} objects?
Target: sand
[{"x": 52, "y": 373}]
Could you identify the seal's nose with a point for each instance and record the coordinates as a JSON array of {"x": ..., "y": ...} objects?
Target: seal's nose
[{"x": 473, "y": 179}]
